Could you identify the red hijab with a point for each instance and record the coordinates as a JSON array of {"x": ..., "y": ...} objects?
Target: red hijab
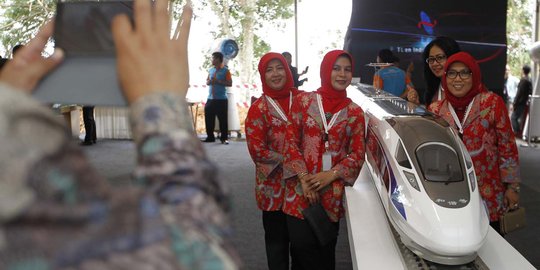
[
  {"x": 282, "y": 95},
  {"x": 333, "y": 100},
  {"x": 460, "y": 103}
]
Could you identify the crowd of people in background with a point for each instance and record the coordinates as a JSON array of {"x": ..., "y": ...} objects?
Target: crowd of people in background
[{"x": 306, "y": 146}]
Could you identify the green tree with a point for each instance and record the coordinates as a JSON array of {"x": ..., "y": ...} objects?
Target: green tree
[
  {"x": 241, "y": 20},
  {"x": 22, "y": 18},
  {"x": 519, "y": 33}
]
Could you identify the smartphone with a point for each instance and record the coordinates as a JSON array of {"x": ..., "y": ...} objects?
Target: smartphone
[
  {"x": 87, "y": 76},
  {"x": 83, "y": 28}
]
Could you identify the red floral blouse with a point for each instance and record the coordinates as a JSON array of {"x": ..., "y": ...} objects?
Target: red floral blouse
[
  {"x": 265, "y": 135},
  {"x": 306, "y": 147},
  {"x": 488, "y": 136}
]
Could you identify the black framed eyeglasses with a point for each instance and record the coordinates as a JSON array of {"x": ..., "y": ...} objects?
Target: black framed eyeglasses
[
  {"x": 464, "y": 74},
  {"x": 438, "y": 58}
]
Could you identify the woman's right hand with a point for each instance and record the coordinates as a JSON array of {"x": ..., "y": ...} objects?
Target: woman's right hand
[
  {"x": 148, "y": 59},
  {"x": 311, "y": 195}
]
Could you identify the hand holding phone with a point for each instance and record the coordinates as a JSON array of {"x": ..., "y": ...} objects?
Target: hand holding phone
[
  {"x": 88, "y": 74},
  {"x": 149, "y": 60}
]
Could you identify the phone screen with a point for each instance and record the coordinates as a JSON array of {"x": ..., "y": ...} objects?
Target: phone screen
[{"x": 83, "y": 28}]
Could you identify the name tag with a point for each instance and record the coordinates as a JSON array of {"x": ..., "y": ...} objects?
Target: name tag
[{"x": 327, "y": 161}]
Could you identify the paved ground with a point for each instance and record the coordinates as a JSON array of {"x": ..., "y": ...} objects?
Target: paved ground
[{"x": 116, "y": 158}]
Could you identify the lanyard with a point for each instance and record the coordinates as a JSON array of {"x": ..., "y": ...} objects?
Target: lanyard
[
  {"x": 440, "y": 92},
  {"x": 327, "y": 126},
  {"x": 456, "y": 119},
  {"x": 278, "y": 108}
]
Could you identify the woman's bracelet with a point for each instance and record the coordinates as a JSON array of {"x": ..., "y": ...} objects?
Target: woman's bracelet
[{"x": 302, "y": 174}]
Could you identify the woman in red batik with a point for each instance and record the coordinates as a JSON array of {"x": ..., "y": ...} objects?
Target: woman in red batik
[
  {"x": 481, "y": 119},
  {"x": 266, "y": 126},
  {"x": 325, "y": 153}
]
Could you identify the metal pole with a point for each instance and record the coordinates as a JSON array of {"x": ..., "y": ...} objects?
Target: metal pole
[{"x": 296, "y": 33}]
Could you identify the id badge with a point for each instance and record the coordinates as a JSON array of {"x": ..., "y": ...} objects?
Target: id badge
[{"x": 326, "y": 161}]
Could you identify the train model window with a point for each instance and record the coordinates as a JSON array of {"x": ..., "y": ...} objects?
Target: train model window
[
  {"x": 439, "y": 163},
  {"x": 401, "y": 157}
]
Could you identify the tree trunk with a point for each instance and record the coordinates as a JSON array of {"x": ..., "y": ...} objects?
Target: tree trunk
[{"x": 246, "y": 51}]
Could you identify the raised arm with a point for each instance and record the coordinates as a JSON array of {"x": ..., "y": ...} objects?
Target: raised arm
[
  {"x": 58, "y": 210},
  {"x": 153, "y": 70}
]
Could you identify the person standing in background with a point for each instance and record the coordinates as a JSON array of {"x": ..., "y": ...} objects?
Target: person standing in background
[
  {"x": 510, "y": 87},
  {"x": 266, "y": 128},
  {"x": 521, "y": 101},
  {"x": 89, "y": 125},
  {"x": 294, "y": 70},
  {"x": 392, "y": 79},
  {"x": 218, "y": 79}
]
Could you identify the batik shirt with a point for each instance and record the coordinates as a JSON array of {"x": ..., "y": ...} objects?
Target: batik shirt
[
  {"x": 306, "y": 148},
  {"x": 56, "y": 212},
  {"x": 265, "y": 135},
  {"x": 488, "y": 136}
]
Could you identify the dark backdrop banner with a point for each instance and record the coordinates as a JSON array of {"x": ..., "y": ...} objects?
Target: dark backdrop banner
[{"x": 407, "y": 26}]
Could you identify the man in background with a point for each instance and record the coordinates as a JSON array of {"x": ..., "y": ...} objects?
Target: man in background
[
  {"x": 294, "y": 70},
  {"x": 89, "y": 125},
  {"x": 218, "y": 79},
  {"x": 510, "y": 87},
  {"x": 521, "y": 101}
]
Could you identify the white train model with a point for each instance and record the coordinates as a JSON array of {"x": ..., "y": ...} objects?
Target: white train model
[{"x": 425, "y": 178}]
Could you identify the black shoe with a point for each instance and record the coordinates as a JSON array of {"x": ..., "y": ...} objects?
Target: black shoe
[
  {"x": 208, "y": 140},
  {"x": 85, "y": 143},
  {"x": 224, "y": 141}
]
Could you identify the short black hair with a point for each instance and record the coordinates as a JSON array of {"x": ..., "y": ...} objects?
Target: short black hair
[
  {"x": 218, "y": 55},
  {"x": 387, "y": 56},
  {"x": 449, "y": 46},
  {"x": 16, "y": 48},
  {"x": 526, "y": 69},
  {"x": 286, "y": 53}
]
